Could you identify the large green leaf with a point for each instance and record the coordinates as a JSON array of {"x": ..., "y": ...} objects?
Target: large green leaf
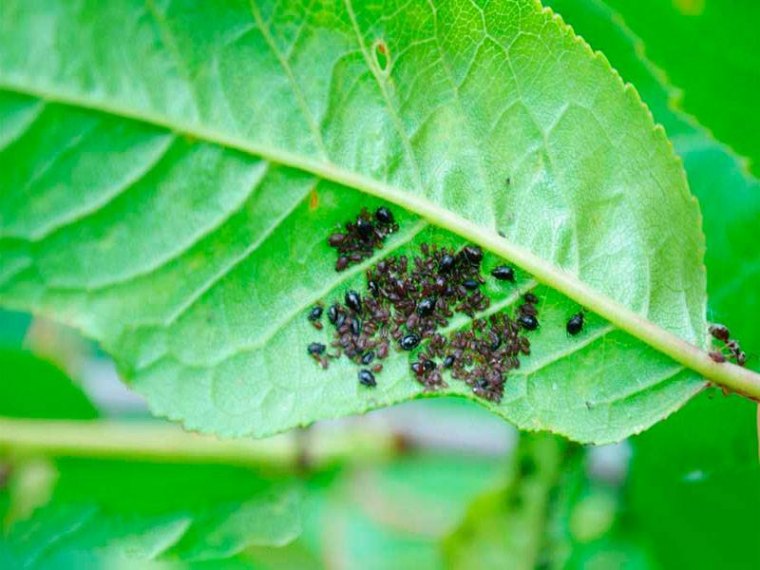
[
  {"x": 728, "y": 195},
  {"x": 170, "y": 173},
  {"x": 105, "y": 512}
]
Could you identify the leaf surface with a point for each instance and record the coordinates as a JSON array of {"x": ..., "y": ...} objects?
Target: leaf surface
[{"x": 170, "y": 191}]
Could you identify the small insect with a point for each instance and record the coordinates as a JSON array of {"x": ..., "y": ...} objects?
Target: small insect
[
  {"x": 366, "y": 378},
  {"x": 717, "y": 356},
  {"x": 368, "y": 357},
  {"x": 336, "y": 239},
  {"x": 471, "y": 284},
  {"x": 448, "y": 362},
  {"x": 354, "y": 301},
  {"x": 575, "y": 324},
  {"x": 528, "y": 322},
  {"x": 446, "y": 264},
  {"x": 530, "y": 298},
  {"x": 316, "y": 313},
  {"x": 356, "y": 326},
  {"x": 373, "y": 287},
  {"x": 425, "y": 307},
  {"x": 365, "y": 228},
  {"x": 473, "y": 254},
  {"x": 503, "y": 273},
  {"x": 741, "y": 358},
  {"x": 409, "y": 342},
  {"x": 377, "y": 368},
  {"x": 428, "y": 365},
  {"x": 342, "y": 263},
  {"x": 384, "y": 216},
  {"x": 332, "y": 313},
  {"x": 719, "y": 332},
  {"x": 417, "y": 368},
  {"x": 316, "y": 348}
]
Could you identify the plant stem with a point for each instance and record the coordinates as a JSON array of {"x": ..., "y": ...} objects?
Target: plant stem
[{"x": 153, "y": 441}]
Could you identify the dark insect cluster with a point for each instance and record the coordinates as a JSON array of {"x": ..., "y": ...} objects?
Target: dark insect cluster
[
  {"x": 408, "y": 301},
  {"x": 362, "y": 236},
  {"x": 729, "y": 348}
]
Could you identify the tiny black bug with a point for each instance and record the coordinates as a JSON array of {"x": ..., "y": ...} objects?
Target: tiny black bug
[
  {"x": 368, "y": 357},
  {"x": 446, "y": 264},
  {"x": 410, "y": 341},
  {"x": 366, "y": 378},
  {"x": 417, "y": 368},
  {"x": 448, "y": 362},
  {"x": 336, "y": 239},
  {"x": 428, "y": 365},
  {"x": 719, "y": 332},
  {"x": 530, "y": 298},
  {"x": 471, "y": 284},
  {"x": 356, "y": 327},
  {"x": 473, "y": 254},
  {"x": 316, "y": 348},
  {"x": 354, "y": 301},
  {"x": 528, "y": 322},
  {"x": 316, "y": 313},
  {"x": 575, "y": 324},
  {"x": 373, "y": 287},
  {"x": 332, "y": 314},
  {"x": 425, "y": 307},
  {"x": 365, "y": 227},
  {"x": 384, "y": 216},
  {"x": 503, "y": 273},
  {"x": 717, "y": 356}
]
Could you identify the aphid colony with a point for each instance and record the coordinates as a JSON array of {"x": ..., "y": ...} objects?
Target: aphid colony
[
  {"x": 406, "y": 304},
  {"x": 730, "y": 348},
  {"x": 362, "y": 237}
]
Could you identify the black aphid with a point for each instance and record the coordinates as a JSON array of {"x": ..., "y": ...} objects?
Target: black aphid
[
  {"x": 530, "y": 298},
  {"x": 373, "y": 287},
  {"x": 365, "y": 228},
  {"x": 368, "y": 357},
  {"x": 717, "y": 356},
  {"x": 446, "y": 264},
  {"x": 528, "y": 322},
  {"x": 471, "y": 284},
  {"x": 332, "y": 313},
  {"x": 354, "y": 301},
  {"x": 448, "y": 362},
  {"x": 315, "y": 313},
  {"x": 316, "y": 348},
  {"x": 384, "y": 216},
  {"x": 575, "y": 324},
  {"x": 720, "y": 332},
  {"x": 503, "y": 273},
  {"x": 366, "y": 378},
  {"x": 409, "y": 342},
  {"x": 356, "y": 326},
  {"x": 425, "y": 307},
  {"x": 473, "y": 254}
]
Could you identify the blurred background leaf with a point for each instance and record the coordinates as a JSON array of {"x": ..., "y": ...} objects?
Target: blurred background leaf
[{"x": 710, "y": 49}]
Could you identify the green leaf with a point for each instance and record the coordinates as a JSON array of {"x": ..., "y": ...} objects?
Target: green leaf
[
  {"x": 33, "y": 388},
  {"x": 214, "y": 146},
  {"x": 729, "y": 197},
  {"x": 389, "y": 515},
  {"x": 106, "y": 512},
  {"x": 699, "y": 508},
  {"x": 709, "y": 51},
  {"x": 507, "y": 527}
]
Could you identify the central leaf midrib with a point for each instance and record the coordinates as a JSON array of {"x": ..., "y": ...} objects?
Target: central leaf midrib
[{"x": 569, "y": 285}]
